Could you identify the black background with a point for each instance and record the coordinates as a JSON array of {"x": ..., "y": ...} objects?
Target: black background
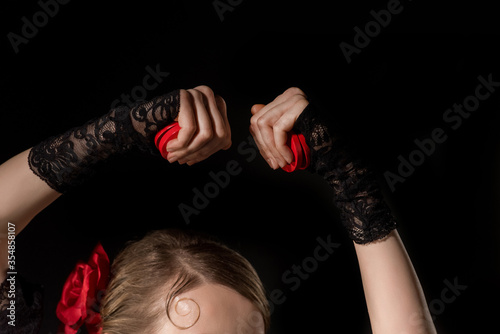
[{"x": 394, "y": 91}]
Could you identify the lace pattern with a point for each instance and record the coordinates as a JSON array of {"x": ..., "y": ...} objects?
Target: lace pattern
[
  {"x": 150, "y": 117},
  {"x": 28, "y": 314},
  {"x": 67, "y": 160},
  {"x": 357, "y": 194}
]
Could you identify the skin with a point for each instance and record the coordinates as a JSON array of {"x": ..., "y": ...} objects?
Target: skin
[
  {"x": 270, "y": 124},
  {"x": 204, "y": 126},
  {"x": 394, "y": 297},
  {"x": 204, "y": 130},
  {"x": 396, "y": 303},
  {"x": 395, "y": 300},
  {"x": 221, "y": 311}
]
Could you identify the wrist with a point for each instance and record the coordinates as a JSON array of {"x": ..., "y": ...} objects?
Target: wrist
[
  {"x": 357, "y": 193},
  {"x": 149, "y": 117}
]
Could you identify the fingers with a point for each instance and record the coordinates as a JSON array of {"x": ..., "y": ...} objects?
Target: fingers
[
  {"x": 256, "y": 108},
  {"x": 204, "y": 127},
  {"x": 271, "y": 123},
  {"x": 221, "y": 105},
  {"x": 187, "y": 122}
]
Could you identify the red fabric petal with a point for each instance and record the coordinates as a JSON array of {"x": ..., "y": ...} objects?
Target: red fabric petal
[{"x": 82, "y": 293}]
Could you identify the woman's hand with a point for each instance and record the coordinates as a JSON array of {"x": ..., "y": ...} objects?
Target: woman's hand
[
  {"x": 204, "y": 126},
  {"x": 271, "y": 123}
]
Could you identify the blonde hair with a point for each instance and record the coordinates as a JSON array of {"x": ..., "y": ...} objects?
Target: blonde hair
[{"x": 167, "y": 263}]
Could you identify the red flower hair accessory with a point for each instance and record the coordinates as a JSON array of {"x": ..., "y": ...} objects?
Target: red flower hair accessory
[{"x": 82, "y": 294}]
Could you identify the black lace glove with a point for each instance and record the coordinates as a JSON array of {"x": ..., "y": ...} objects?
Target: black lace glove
[
  {"x": 67, "y": 160},
  {"x": 357, "y": 193}
]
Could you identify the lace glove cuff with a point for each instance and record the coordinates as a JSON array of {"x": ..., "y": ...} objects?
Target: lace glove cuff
[
  {"x": 357, "y": 194},
  {"x": 67, "y": 160}
]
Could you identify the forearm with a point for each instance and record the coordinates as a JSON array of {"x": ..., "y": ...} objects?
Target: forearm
[
  {"x": 394, "y": 296},
  {"x": 22, "y": 196},
  {"x": 33, "y": 179},
  {"x": 395, "y": 300}
]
